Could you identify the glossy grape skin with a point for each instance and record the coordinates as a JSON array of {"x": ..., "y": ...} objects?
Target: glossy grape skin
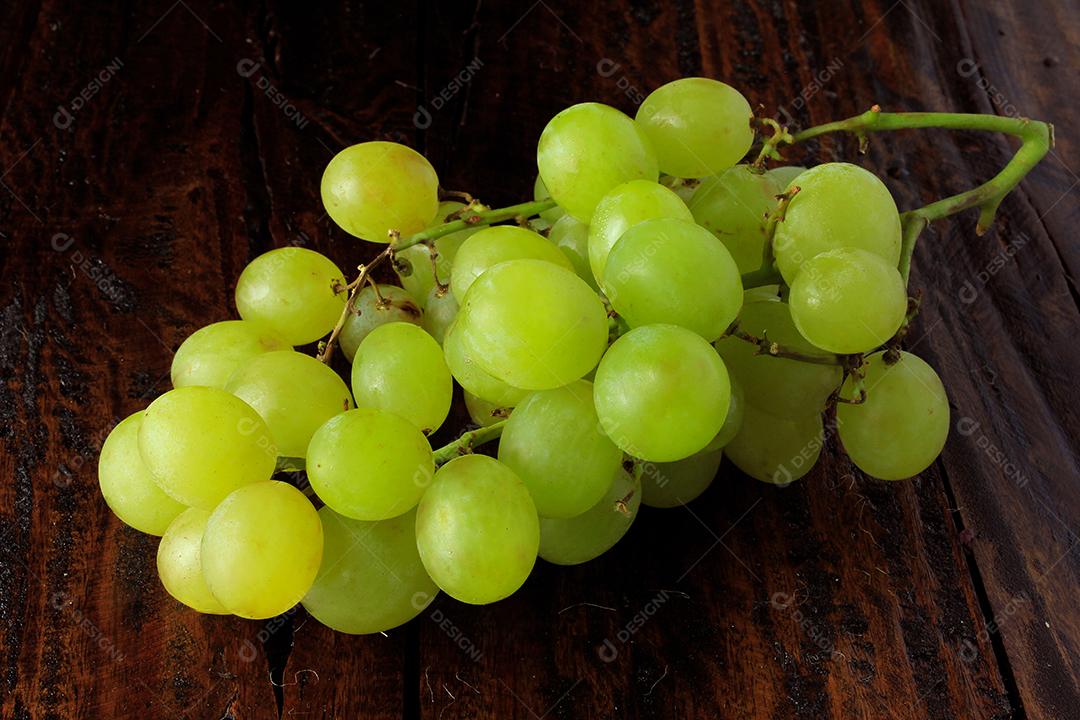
[
  {"x": 554, "y": 443},
  {"x": 374, "y": 187},
  {"x": 494, "y": 245},
  {"x": 572, "y": 541},
  {"x": 733, "y": 421},
  {"x": 202, "y": 443},
  {"x": 733, "y": 206},
  {"x": 295, "y": 292},
  {"x": 128, "y": 486},
  {"x": 540, "y": 192},
  {"x": 473, "y": 378},
  {"x": 661, "y": 393},
  {"x": 369, "y": 464},
  {"x": 781, "y": 385},
  {"x": 294, "y": 393},
  {"x": 572, "y": 237},
  {"x": 848, "y": 301},
  {"x": 261, "y": 549},
  {"x": 623, "y": 208},
  {"x": 440, "y": 309},
  {"x": 421, "y": 279},
  {"x": 784, "y": 174},
  {"x": 839, "y": 205},
  {"x": 179, "y": 562},
  {"x": 399, "y": 368},
  {"x": 533, "y": 324},
  {"x": 777, "y": 450},
  {"x": 675, "y": 272},
  {"x": 477, "y": 530},
  {"x": 371, "y": 579},
  {"x": 668, "y": 485},
  {"x": 698, "y": 126},
  {"x": 210, "y": 354},
  {"x": 588, "y": 149},
  {"x": 369, "y": 312},
  {"x": 482, "y": 412},
  {"x": 902, "y": 426}
]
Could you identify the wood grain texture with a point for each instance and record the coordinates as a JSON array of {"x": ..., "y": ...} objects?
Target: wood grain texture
[{"x": 126, "y": 219}]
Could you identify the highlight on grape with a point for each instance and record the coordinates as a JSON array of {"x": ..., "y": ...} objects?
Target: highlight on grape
[{"x": 673, "y": 294}]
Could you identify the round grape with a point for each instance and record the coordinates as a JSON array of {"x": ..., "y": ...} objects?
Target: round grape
[
  {"x": 128, "y": 486},
  {"x": 777, "y": 450},
  {"x": 494, "y": 245},
  {"x": 179, "y": 562},
  {"x": 371, "y": 309},
  {"x": 473, "y": 378},
  {"x": 210, "y": 354},
  {"x": 734, "y": 206},
  {"x": 668, "y": 485},
  {"x": 572, "y": 541},
  {"x": 440, "y": 309}
]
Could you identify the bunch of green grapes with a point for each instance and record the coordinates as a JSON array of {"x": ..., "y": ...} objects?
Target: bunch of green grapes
[{"x": 610, "y": 344}]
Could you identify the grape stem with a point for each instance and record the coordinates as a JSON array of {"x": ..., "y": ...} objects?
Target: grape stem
[
  {"x": 468, "y": 440},
  {"x": 765, "y": 346}
]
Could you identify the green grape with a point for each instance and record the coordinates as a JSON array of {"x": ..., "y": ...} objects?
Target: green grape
[
  {"x": 128, "y": 486},
  {"x": 477, "y": 530},
  {"x": 762, "y": 293},
  {"x": 661, "y": 393},
  {"x": 733, "y": 206},
  {"x": 294, "y": 393},
  {"x": 675, "y": 272},
  {"x": 371, "y": 578},
  {"x": 624, "y": 207},
  {"x": 572, "y": 237},
  {"x": 369, "y": 464},
  {"x": 399, "y": 368},
  {"x": 494, "y": 245},
  {"x": 781, "y": 385},
  {"x": 533, "y": 325},
  {"x": 902, "y": 426},
  {"x": 554, "y": 443},
  {"x": 784, "y": 174},
  {"x": 179, "y": 562},
  {"x": 572, "y": 541},
  {"x": 733, "y": 421},
  {"x": 261, "y": 549},
  {"x": 482, "y": 412},
  {"x": 773, "y": 449},
  {"x": 372, "y": 188},
  {"x": 473, "y": 378},
  {"x": 588, "y": 149},
  {"x": 440, "y": 309},
  {"x": 668, "y": 485},
  {"x": 202, "y": 443},
  {"x": 296, "y": 293},
  {"x": 210, "y": 354},
  {"x": 838, "y": 205},
  {"x": 540, "y": 192},
  {"x": 371, "y": 309},
  {"x": 848, "y": 301},
  {"x": 420, "y": 280},
  {"x": 698, "y": 126}
]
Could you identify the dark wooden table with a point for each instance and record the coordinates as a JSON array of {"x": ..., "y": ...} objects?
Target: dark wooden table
[{"x": 150, "y": 150}]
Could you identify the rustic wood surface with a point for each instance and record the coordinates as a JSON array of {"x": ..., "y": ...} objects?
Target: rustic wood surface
[{"x": 126, "y": 216}]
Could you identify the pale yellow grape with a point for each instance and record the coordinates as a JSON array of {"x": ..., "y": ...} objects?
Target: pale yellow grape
[
  {"x": 399, "y": 368},
  {"x": 440, "y": 309},
  {"x": 733, "y": 206},
  {"x": 775, "y": 449},
  {"x": 473, "y": 378},
  {"x": 848, "y": 301},
  {"x": 540, "y": 192},
  {"x": 297, "y": 293},
  {"x": 210, "y": 354},
  {"x": 371, "y": 579},
  {"x": 294, "y": 393},
  {"x": 661, "y": 393},
  {"x": 128, "y": 486},
  {"x": 572, "y": 237},
  {"x": 624, "y": 207},
  {"x": 371, "y": 309},
  {"x": 572, "y": 541},
  {"x": 494, "y": 245},
  {"x": 482, "y": 412},
  {"x": 588, "y": 149},
  {"x": 533, "y": 324},
  {"x": 179, "y": 562},
  {"x": 202, "y": 443},
  {"x": 261, "y": 549},
  {"x": 698, "y": 126},
  {"x": 369, "y": 464},
  {"x": 477, "y": 530},
  {"x": 374, "y": 187},
  {"x": 668, "y": 485},
  {"x": 420, "y": 280},
  {"x": 901, "y": 427},
  {"x": 839, "y": 205}
]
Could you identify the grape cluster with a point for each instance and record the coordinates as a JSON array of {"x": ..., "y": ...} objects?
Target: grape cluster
[{"x": 610, "y": 342}]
